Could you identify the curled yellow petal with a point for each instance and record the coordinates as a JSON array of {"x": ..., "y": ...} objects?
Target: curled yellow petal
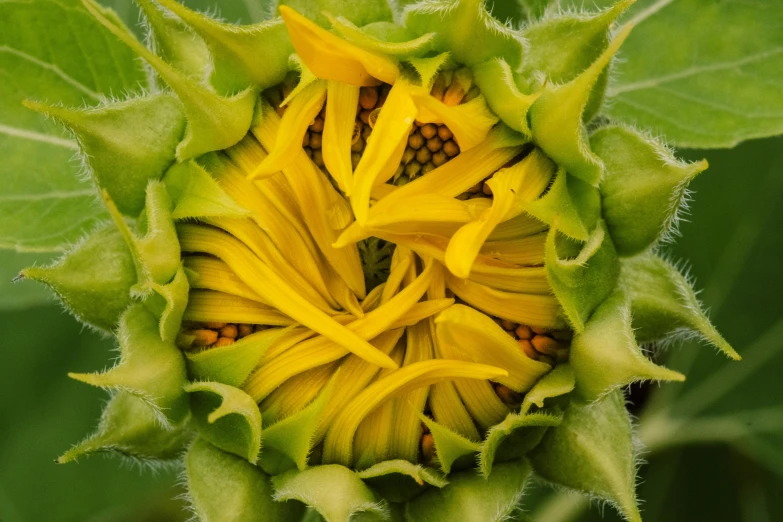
[
  {"x": 482, "y": 340},
  {"x": 332, "y": 58},
  {"x": 338, "y": 446},
  {"x": 384, "y": 147},
  {"x": 341, "y": 102},
  {"x": 213, "y": 274},
  {"x": 470, "y": 122},
  {"x": 298, "y": 116}
]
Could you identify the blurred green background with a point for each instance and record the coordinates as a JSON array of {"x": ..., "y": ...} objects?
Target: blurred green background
[{"x": 725, "y": 424}]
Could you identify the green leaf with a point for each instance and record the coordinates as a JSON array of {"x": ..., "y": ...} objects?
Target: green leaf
[
  {"x": 711, "y": 86},
  {"x": 226, "y": 488},
  {"x": 335, "y": 491},
  {"x": 92, "y": 280},
  {"x": 51, "y": 50},
  {"x": 131, "y": 428},
  {"x": 470, "y": 496},
  {"x": 227, "y": 417},
  {"x": 592, "y": 451}
]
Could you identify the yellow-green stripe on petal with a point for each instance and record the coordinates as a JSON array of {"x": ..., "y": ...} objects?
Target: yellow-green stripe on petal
[
  {"x": 332, "y": 58},
  {"x": 338, "y": 446}
]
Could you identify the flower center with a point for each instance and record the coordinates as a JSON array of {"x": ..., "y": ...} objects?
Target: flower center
[{"x": 430, "y": 305}]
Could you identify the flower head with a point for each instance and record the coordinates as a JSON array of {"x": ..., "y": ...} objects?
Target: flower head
[{"x": 356, "y": 254}]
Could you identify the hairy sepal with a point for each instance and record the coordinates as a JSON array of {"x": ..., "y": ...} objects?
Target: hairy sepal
[
  {"x": 643, "y": 188},
  {"x": 149, "y": 368},
  {"x": 592, "y": 451},
  {"x": 469, "y": 496},
  {"x": 124, "y": 144},
  {"x": 224, "y": 487},
  {"x": 605, "y": 355},
  {"x": 196, "y": 194},
  {"x": 664, "y": 303},
  {"x": 129, "y": 427},
  {"x": 400, "y": 480},
  {"x": 93, "y": 279}
]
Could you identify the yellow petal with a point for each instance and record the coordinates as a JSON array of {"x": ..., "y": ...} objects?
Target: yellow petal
[
  {"x": 332, "y": 58},
  {"x": 458, "y": 175},
  {"x": 318, "y": 351},
  {"x": 341, "y": 102},
  {"x": 531, "y": 280},
  {"x": 448, "y": 410},
  {"x": 214, "y": 274},
  {"x": 298, "y": 116},
  {"x": 392, "y": 285},
  {"x": 261, "y": 245},
  {"x": 296, "y": 393},
  {"x": 469, "y": 122},
  {"x": 272, "y": 288},
  {"x": 355, "y": 374},
  {"x": 517, "y": 227},
  {"x": 511, "y": 189},
  {"x": 210, "y": 306},
  {"x": 482, "y": 340},
  {"x": 323, "y": 208},
  {"x": 533, "y": 310},
  {"x": 384, "y": 148},
  {"x": 527, "y": 250},
  {"x": 338, "y": 446}
]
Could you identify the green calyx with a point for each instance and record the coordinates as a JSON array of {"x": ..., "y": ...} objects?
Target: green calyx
[{"x": 286, "y": 306}]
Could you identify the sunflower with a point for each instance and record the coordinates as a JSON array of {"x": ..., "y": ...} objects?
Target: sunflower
[{"x": 351, "y": 260}]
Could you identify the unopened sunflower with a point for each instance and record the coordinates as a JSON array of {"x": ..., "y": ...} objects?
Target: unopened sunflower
[{"x": 383, "y": 263}]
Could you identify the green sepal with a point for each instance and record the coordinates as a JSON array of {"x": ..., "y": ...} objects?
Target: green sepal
[
  {"x": 226, "y": 488},
  {"x": 570, "y": 205},
  {"x": 156, "y": 253},
  {"x": 232, "y": 364},
  {"x": 581, "y": 275},
  {"x": 288, "y": 442},
  {"x": 605, "y": 355},
  {"x": 384, "y": 38},
  {"x": 214, "y": 122},
  {"x": 336, "y": 492},
  {"x": 195, "y": 194},
  {"x": 451, "y": 448},
  {"x": 168, "y": 303},
  {"x": 470, "y": 496},
  {"x": 664, "y": 303},
  {"x": 125, "y": 144},
  {"x": 514, "y": 438},
  {"x": 227, "y": 417},
  {"x": 427, "y": 68},
  {"x": 243, "y": 56},
  {"x": 93, "y": 279},
  {"x": 496, "y": 81},
  {"x": 561, "y": 47},
  {"x": 131, "y": 428},
  {"x": 465, "y": 29},
  {"x": 399, "y": 480},
  {"x": 358, "y": 13},
  {"x": 556, "y": 119},
  {"x": 175, "y": 42},
  {"x": 557, "y": 383},
  {"x": 149, "y": 367},
  {"x": 643, "y": 187},
  {"x": 592, "y": 451}
]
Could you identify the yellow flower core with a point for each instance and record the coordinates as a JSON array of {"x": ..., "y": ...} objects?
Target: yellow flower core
[{"x": 387, "y": 263}]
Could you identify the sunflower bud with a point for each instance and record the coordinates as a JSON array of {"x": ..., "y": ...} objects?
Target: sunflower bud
[{"x": 361, "y": 257}]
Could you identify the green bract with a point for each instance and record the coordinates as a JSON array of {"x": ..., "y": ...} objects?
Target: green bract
[{"x": 385, "y": 263}]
